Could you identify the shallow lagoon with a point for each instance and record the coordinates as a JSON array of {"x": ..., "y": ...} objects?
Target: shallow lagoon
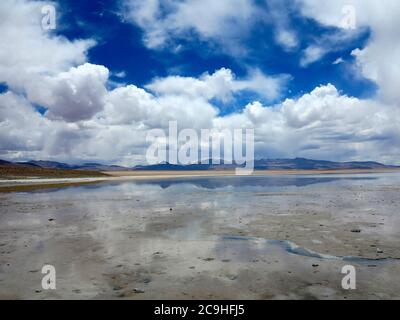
[{"x": 272, "y": 237}]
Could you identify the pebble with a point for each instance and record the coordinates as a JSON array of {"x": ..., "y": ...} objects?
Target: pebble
[
  {"x": 136, "y": 290},
  {"x": 209, "y": 259}
]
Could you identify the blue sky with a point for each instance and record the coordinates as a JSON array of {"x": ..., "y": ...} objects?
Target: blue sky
[
  {"x": 120, "y": 47},
  {"x": 314, "y": 79}
]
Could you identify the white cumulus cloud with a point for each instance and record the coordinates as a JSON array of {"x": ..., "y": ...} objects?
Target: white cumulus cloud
[
  {"x": 380, "y": 59},
  {"x": 77, "y": 94},
  {"x": 85, "y": 120}
]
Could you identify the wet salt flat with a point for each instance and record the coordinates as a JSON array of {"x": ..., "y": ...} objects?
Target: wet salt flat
[{"x": 263, "y": 237}]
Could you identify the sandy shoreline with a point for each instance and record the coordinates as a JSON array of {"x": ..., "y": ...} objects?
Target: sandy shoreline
[{"x": 32, "y": 183}]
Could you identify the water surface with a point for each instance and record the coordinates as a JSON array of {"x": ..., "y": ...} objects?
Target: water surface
[{"x": 224, "y": 237}]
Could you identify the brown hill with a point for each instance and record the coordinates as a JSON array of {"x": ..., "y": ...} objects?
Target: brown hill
[{"x": 9, "y": 171}]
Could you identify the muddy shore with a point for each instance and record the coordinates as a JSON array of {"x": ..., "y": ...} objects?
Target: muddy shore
[{"x": 276, "y": 237}]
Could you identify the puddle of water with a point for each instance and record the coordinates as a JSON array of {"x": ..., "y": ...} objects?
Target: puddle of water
[{"x": 292, "y": 248}]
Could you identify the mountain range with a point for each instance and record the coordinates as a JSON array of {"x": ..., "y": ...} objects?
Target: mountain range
[
  {"x": 263, "y": 164},
  {"x": 65, "y": 166}
]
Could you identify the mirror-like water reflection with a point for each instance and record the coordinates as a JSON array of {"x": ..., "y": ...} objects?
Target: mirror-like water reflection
[{"x": 225, "y": 237}]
